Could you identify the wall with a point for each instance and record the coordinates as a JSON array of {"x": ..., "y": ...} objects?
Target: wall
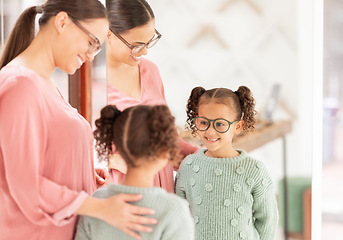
[{"x": 228, "y": 43}]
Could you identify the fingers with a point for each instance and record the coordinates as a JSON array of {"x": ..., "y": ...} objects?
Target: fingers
[
  {"x": 141, "y": 210},
  {"x": 136, "y": 210},
  {"x": 102, "y": 177},
  {"x": 136, "y": 213},
  {"x": 140, "y": 228},
  {"x": 131, "y": 233},
  {"x": 101, "y": 173},
  {"x": 99, "y": 180},
  {"x": 128, "y": 217},
  {"x": 100, "y": 183},
  {"x": 143, "y": 220}
]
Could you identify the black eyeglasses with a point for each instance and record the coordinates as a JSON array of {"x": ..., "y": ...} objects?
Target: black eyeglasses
[
  {"x": 221, "y": 125},
  {"x": 94, "y": 46},
  {"x": 135, "y": 49}
]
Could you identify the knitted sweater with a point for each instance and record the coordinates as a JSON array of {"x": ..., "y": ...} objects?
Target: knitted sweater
[
  {"x": 172, "y": 213},
  {"x": 230, "y": 198}
]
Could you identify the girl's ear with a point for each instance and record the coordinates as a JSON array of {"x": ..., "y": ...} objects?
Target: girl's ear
[
  {"x": 61, "y": 20},
  {"x": 239, "y": 126}
]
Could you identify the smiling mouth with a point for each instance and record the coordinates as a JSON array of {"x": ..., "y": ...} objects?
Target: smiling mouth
[
  {"x": 80, "y": 61},
  {"x": 212, "y": 140},
  {"x": 136, "y": 58}
]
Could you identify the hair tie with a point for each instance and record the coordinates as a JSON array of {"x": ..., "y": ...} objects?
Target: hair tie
[
  {"x": 39, "y": 9},
  {"x": 114, "y": 114},
  {"x": 116, "y": 110}
]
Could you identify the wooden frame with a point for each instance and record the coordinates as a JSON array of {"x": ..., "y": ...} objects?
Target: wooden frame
[{"x": 80, "y": 95}]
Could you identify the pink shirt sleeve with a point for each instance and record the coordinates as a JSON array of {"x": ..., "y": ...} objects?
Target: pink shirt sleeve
[{"x": 23, "y": 142}]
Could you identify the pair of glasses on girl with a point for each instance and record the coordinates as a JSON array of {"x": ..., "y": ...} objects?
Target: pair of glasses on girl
[{"x": 221, "y": 125}]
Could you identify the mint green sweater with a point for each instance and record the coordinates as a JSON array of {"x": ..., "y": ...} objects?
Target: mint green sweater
[
  {"x": 229, "y": 198},
  {"x": 171, "y": 211}
]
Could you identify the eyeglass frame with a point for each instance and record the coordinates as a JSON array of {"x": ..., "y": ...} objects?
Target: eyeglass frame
[
  {"x": 95, "y": 44},
  {"x": 213, "y": 121},
  {"x": 159, "y": 35}
]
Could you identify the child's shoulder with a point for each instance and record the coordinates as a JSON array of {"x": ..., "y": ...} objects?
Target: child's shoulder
[
  {"x": 257, "y": 169},
  {"x": 175, "y": 203},
  {"x": 106, "y": 192},
  {"x": 254, "y": 162},
  {"x": 190, "y": 159},
  {"x": 172, "y": 197},
  {"x": 197, "y": 155}
]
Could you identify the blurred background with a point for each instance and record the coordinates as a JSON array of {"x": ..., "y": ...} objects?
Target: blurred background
[
  {"x": 268, "y": 46},
  {"x": 332, "y": 169}
]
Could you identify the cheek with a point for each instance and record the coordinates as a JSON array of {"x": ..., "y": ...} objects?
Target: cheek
[
  {"x": 120, "y": 53},
  {"x": 201, "y": 134},
  {"x": 120, "y": 48},
  {"x": 229, "y": 135}
]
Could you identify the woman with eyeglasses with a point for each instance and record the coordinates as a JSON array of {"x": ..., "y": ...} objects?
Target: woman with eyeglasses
[
  {"x": 132, "y": 79},
  {"x": 46, "y": 155}
]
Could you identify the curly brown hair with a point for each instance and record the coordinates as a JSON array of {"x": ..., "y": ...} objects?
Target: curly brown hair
[
  {"x": 241, "y": 101},
  {"x": 137, "y": 132}
]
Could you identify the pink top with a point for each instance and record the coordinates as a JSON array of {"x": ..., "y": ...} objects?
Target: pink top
[
  {"x": 46, "y": 158},
  {"x": 152, "y": 93}
]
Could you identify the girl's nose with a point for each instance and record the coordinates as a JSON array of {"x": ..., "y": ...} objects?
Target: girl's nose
[{"x": 211, "y": 129}]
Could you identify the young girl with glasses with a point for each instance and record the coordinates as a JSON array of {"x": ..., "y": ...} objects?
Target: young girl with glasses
[
  {"x": 146, "y": 138},
  {"x": 230, "y": 193},
  {"x": 131, "y": 78},
  {"x": 46, "y": 155}
]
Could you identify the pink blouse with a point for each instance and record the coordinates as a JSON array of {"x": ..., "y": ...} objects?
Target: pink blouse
[
  {"x": 152, "y": 93},
  {"x": 46, "y": 158}
]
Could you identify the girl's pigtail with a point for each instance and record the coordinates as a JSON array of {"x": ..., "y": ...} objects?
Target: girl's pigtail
[
  {"x": 162, "y": 132},
  {"x": 103, "y": 134},
  {"x": 247, "y": 103},
  {"x": 21, "y": 36},
  {"x": 192, "y": 107}
]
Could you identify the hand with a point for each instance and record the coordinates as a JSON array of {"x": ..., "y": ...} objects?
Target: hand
[
  {"x": 127, "y": 217},
  {"x": 102, "y": 177}
]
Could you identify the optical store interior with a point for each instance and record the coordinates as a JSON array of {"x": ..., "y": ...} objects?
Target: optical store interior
[{"x": 289, "y": 53}]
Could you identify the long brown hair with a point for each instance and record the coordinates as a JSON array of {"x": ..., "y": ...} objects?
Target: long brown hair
[{"x": 23, "y": 31}]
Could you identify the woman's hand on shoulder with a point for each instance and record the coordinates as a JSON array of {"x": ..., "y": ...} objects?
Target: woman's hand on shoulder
[
  {"x": 127, "y": 217},
  {"x": 118, "y": 212}
]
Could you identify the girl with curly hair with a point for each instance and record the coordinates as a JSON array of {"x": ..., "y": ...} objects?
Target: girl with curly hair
[
  {"x": 146, "y": 138},
  {"x": 230, "y": 193}
]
